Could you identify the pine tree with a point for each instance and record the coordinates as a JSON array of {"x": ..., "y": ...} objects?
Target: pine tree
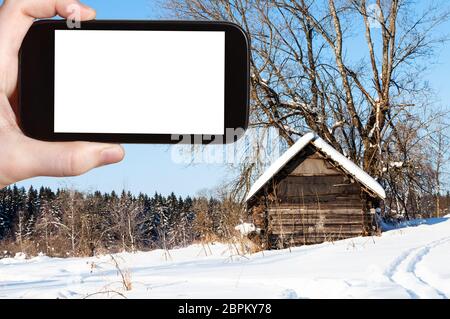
[
  {"x": 185, "y": 221},
  {"x": 6, "y": 213},
  {"x": 70, "y": 222},
  {"x": 447, "y": 201},
  {"x": 161, "y": 220},
  {"x": 172, "y": 213}
]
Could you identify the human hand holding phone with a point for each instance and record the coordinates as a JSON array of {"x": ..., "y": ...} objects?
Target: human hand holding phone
[{"x": 20, "y": 156}]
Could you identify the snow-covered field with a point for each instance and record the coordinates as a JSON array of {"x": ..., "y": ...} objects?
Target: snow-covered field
[{"x": 409, "y": 262}]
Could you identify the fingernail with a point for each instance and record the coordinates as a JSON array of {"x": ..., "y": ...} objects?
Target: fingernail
[
  {"x": 111, "y": 155},
  {"x": 88, "y": 8}
]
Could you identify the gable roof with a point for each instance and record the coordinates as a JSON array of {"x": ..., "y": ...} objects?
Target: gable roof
[{"x": 347, "y": 165}]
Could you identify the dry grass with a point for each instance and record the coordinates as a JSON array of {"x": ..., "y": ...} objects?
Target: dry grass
[{"x": 125, "y": 275}]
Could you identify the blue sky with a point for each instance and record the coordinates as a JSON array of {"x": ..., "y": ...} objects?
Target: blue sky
[{"x": 148, "y": 168}]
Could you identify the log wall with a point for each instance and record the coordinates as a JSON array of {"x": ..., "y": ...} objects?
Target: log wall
[{"x": 309, "y": 202}]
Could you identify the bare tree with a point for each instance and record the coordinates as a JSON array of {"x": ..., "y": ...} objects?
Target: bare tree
[
  {"x": 48, "y": 228},
  {"x": 21, "y": 230},
  {"x": 203, "y": 223},
  {"x": 70, "y": 203},
  {"x": 126, "y": 213},
  {"x": 349, "y": 70},
  {"x": 439, "y": 141}
]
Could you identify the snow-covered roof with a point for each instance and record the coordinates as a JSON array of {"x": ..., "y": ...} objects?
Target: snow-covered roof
[{"x": 346, "y": 164}]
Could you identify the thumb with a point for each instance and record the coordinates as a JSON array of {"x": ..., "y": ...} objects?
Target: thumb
[{"x": 37, "y": 158}]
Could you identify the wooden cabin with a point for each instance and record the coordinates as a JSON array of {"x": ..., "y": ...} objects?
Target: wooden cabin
[{"x": 312, "y": 194}]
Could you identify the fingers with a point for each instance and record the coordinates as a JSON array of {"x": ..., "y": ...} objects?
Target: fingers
[
  {"x": 16, "y": 17},
  {"x": 49, "y": 8},
  {"x": 7, "y": 116},
  {"x": 23, "y": 157},
  {"x": 69, "y": 159}
]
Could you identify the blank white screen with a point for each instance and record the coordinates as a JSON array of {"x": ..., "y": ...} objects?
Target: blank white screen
[{"x": 150, "y": 82}]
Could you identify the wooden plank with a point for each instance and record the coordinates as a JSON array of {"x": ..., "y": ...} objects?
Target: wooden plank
[
  {"x": 314, "y": 212},
  {"x": 329, "y": 226},
  {"x": 311, "y": 202},
  {"x": 347, "y": 233},
  {"x": 299, "y": 222},
  {"x": 279, "y": 241},
  {"x": 313, "y": 218},
  {"x": 312, "y": 240},
  {"x": 315, "y": 223},
  {"x": 341, "y": 211},
  {"x": 301, "y": 237},
  {"x": 326, "y": 232},
  {"x": 330, "y": 199},
  {"x": 315, "y": 166},
  {"x": 316, "y": 209}
]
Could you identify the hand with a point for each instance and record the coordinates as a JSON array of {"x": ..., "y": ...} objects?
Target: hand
[{"x": 22, "y": 157}]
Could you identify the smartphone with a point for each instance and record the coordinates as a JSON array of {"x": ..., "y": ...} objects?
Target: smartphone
[{"x": 134, "y": 81}]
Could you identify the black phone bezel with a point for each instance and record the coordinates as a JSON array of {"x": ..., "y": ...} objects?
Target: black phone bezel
[{"x": 36, "y": 81}]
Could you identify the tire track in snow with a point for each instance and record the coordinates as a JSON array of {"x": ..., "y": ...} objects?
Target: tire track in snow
[{"x": 402, "y": 271}]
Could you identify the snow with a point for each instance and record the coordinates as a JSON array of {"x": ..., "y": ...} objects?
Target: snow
[
  {"x": 280, "y": 163},
  {"x": 348, "y": 166},
  {"x": 396, "y": 164},
  {"x": 246, "y": 228},
  {"x": 408, "y": 262}
]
